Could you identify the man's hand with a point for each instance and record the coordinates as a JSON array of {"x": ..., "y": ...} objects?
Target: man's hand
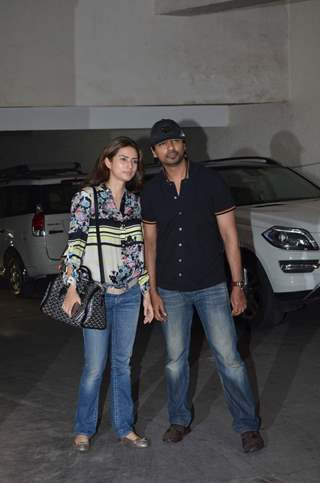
[
  {"x": 228, "y": 231},
  {"x": 158, "y": 306},
  {"x": 238, "y": 301},
  {"x": 147, "y": 309}
]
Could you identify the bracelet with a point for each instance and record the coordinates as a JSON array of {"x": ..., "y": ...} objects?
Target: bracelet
[
  {"x": 71, "y": 281},
  {"x": 239, "y": 283}
]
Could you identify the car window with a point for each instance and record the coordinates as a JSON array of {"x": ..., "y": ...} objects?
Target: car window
[
  {"x": 23, "y": 199},
  {"x": 254, "y": 185},
  {"x": 55, "y": 198},
  {"x": 3, "y": 204},
  {"x": 19, "y": 200}
]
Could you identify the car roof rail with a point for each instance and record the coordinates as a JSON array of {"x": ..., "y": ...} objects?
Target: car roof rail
[
  {"x": 36, "y": 171},
  {"x": 261, "y": 159},
  {"x": 150, "y": 167},
  {"x": 13, "y": 171}
]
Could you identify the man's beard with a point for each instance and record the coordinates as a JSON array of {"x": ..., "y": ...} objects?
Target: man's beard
[{"x": 174, "y": 162}]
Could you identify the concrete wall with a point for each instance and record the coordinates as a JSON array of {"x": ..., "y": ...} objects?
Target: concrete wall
[
  {"x": 254, "y": 130},
  {"x": 37, "y": 52},
  {"x": 304, "y": 74},
  {"x": 121, "y": 53},
  {"x": 51, "y": 148},
  {"x": 287, "y": 131},
  {"x": 190, "y": 7}
]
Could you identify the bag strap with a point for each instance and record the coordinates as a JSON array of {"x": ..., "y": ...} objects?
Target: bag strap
[{"x": 96, "y": 218}]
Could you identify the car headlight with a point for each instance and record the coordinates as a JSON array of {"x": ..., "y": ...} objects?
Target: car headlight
[{"x": 290, "y": 238}]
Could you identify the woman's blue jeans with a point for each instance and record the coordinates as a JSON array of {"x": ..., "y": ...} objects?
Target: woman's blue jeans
[
  {"x": 122, "y": 318},
  {"x": 213, "y": 307}
]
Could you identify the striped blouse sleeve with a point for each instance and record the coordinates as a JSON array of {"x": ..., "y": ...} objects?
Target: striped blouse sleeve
[
  {"x": 144, "y": 282},
  {"x": 78, "y": 233}
]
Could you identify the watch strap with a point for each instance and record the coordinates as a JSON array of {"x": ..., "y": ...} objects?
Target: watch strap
[{"x": 238, "y": 283}]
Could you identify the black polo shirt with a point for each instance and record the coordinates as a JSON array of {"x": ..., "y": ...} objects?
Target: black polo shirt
[{"x": 189, "y": 246}]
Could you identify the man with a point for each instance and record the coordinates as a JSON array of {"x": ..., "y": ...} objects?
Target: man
[{"x": 189, "y": 222}]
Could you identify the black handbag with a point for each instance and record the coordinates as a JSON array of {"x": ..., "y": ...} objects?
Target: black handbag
[{"x": 91, "y": 313}]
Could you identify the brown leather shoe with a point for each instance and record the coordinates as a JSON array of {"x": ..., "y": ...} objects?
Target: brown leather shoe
[
  {"x": 251, "y": 441},
  {"x": 175, "y": 433}
]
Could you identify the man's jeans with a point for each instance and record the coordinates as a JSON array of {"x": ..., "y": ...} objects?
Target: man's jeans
[
  {"x": 213, "y": 307},
  {"x": 122, "y": 317}
]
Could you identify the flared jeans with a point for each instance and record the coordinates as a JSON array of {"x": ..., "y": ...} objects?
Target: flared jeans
[{"x": 118, "y": 338}]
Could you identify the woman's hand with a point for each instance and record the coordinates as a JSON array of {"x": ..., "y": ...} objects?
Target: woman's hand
[
  {"x": 71, "y": 298},
  {"x": 147, "y": 309}
]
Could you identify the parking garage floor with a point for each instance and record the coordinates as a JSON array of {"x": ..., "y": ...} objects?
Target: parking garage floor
[{"x": 40, "y": 369}]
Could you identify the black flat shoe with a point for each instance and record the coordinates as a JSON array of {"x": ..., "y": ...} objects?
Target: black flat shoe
[
  {"x": 175, "y": 433},
  {"x": 251, "y": 441}
]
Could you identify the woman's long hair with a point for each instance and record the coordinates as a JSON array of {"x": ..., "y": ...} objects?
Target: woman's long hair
[{"x": 101, "y": 173}]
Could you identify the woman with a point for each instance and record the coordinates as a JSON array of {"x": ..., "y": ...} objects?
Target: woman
[{"x": 118, "y": 169}]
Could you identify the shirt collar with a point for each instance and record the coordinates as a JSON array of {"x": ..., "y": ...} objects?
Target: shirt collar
[
  {"x": 103, "y": 187},
  {"x": 190, "y": 167}
]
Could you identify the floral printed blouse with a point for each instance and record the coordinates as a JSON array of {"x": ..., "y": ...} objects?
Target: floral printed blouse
[{"x": 121, "y": 238}]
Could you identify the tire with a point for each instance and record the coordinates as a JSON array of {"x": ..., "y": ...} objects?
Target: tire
[
  {"x": 262, "y": 310},
  {"x": 16, "y": 276}
]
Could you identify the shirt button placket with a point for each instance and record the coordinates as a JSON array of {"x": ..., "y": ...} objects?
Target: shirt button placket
[
  {"x": 122, "y": 231},
  {"x": 123, "y": 241},
  {"x": 180, "y": 244}
]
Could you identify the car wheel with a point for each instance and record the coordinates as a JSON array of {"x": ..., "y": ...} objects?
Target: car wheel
[
  {"x": 262, "y": 310},
  {"x": 16, "y": 275}
]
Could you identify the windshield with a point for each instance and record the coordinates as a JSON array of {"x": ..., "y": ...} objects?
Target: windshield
[{"x": 255, "y": 185}]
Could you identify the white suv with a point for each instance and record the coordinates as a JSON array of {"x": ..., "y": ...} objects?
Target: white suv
[
  {"x": 278, "y": 219},
  {"x": 34, "y": 221}
]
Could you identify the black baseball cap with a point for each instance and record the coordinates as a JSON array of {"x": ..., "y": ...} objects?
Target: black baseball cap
[{"x": 165, "y": 129}]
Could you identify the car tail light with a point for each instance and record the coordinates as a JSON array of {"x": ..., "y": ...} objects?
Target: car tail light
[{"x": 38, "y": 222}]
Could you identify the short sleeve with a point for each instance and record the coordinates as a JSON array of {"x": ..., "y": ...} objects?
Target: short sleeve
[
  {"x": 147, "y": 209},
  {"x": 222, "y": 199}
]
